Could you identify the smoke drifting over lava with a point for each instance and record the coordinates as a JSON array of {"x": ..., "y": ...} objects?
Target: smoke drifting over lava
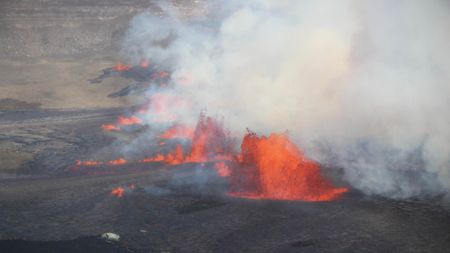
[{"x": 360, "y": 85}]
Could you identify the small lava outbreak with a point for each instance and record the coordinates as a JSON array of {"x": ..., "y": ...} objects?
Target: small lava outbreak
[
  {"x": 122, "y": 121},
  {"x": 118, "y": 192}
]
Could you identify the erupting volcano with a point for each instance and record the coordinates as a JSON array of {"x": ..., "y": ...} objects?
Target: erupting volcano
[
  {"x": 274, "y": 168},
  {"x": 266, "y": 168}
]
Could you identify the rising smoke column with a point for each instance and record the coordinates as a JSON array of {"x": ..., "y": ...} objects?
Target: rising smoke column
[{"x": 361, "y": 85}]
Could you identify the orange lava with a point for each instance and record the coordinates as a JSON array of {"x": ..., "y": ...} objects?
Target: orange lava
[
  {"x": 122, "y": 121},
  {"x": 267, "y": 168},
  {"x": 119, "y": 161},
  {"x": 173, "y": 158},
  {"x": 274, "y": 168},
  {"x": 110, "y": 127},
  {"x": 88, "y": 163},
  {"x": 118, "y": 192},
  {"x": 120, "y": 67},
  {"x": 210, "y": 142},
  {"x": 157, "y": 158},
  {"x": 133, "y": 120}
]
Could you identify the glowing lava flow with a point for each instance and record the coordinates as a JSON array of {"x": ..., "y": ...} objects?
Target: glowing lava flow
[
  {"x": 110, "y": 127},
  {"x": 120, "y": 67},
  {"x": 274, "y": 168},
  {"x": 118, "y": 192},
  {"x": 210, "y": 143},
  {"x": 133, "y": 120},
  {"x": 119, "y": 161},
  {"x": 122, "y": 121}
]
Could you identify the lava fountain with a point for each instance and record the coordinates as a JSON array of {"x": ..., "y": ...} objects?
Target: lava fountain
[{"x": 275, "y": 168}]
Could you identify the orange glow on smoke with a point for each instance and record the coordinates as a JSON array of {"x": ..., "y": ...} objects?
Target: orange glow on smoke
[
  {"x": 118, "y": 192},
  {"x": 274, "y": 168},
  {"x": 120, "y": 67},
  {"x": 222, "y": 169},
  {"x": 159, "y": 107},
  {"x": 145, "y": 63},
  {"x": 164, "y": 74},
  {"x": 178, "y": 131}
]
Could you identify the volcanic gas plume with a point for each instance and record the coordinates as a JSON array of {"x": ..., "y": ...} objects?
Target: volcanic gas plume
[{"x": 359, "y": 85}]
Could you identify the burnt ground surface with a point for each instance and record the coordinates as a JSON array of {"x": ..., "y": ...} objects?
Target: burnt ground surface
[{"x": 47, "y": 206}]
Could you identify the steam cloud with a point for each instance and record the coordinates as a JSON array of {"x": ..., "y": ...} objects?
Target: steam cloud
[{"x": 360, "y": 85}]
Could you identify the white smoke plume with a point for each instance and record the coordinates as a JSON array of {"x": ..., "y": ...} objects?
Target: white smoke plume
[{"x": 360, "y": 85}]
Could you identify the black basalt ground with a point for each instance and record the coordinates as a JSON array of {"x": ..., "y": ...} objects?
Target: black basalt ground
[{"x": 171, "y": 210}]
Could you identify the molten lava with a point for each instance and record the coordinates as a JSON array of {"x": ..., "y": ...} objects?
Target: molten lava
[
  {"x": 120, "y": 67},
  {"x": 118, "y": 192},
  {"x": 88, "y": 163},
  {"x": 210, "y": 142},
  {"x": 274, "y": 168},
  {"x": 110, "y": 127},
  {"x": 119, "y": 161},
  {"x": 122, "y": 121},
  {"x": 133, "y": 120}
]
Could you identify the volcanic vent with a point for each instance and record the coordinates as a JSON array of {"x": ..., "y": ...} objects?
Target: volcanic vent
[{"x": 263, "y": 167}]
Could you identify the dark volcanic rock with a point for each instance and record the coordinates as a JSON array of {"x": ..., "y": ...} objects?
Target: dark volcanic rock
[
  {"x": 68, "y": 27},
  {"x": 53, "y": 28},
  {"x": 13, "y": 104},
  {"x": 81, "y": 245}
]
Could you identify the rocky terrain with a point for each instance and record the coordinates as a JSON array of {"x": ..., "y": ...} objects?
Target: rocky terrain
[
  {"x": 50, "y": 49},
  {"x": 50, "y": 117}
]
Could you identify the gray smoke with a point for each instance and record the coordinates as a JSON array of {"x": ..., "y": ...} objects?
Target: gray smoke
[{"x": 361, "y": 85}]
